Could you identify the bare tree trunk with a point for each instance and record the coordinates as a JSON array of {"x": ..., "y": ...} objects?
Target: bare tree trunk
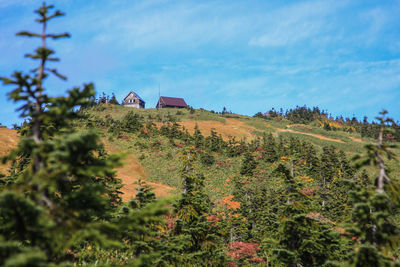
[
  {"x": 185, "y": 182},
  {"x": 382, "y": 173},
  {"x": 292, "y": 168},
  {"x": 36, "y": 131}
]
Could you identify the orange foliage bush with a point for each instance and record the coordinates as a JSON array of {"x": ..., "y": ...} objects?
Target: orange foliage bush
[{"x": 229, "y": 203}]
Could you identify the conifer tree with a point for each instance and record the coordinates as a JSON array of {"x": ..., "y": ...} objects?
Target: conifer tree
[
  {"x": 214, "y": 141},
  {"x": 249, "y": 165},
  {"x": 198, "y": 138},
  {"x": 270, "y": 148},
  {"x": 113, "y": 100},
  {"x": 374, "y": 229},
  {"x": 144, "y": 194},
  {"x": 63, "y": 192},
  {"x": 196, "y": 236},
  {"x": 294, "y": 154},
  {"x": 302, "y": 240},
  {"x": 132, "y": 122},
  {"x": 311, "y": 160}
]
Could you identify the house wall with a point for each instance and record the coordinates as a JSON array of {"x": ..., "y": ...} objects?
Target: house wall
[
  {"x": 163, "y": 105},
  {"x": 133, "y": 105},
  {"x": 133, "y": 101}
]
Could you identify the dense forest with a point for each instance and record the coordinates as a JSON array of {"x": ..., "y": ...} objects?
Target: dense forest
[
  {"x": 269, "y": 201},
  {"x": 315, "y": 116}
]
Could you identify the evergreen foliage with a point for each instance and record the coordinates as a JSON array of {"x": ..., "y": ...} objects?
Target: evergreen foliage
[
  {"x": 63, "y": 192},
  {"x": 377, "y": 234},
  {"x": 305, "y": 115},
  {"x": 265, "y": 202},
  {"x": 113, "y": 100}
]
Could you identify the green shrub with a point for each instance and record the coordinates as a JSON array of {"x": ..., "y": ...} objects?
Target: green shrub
[{"x": 207, "y": 159}]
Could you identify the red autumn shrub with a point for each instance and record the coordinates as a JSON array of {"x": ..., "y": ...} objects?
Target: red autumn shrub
[
  {"x": 241, "y": 250},
  {"x": 170, "y": 222},
  {"x": 212, "y": 218},
  {"x": 307, "y": 191}
]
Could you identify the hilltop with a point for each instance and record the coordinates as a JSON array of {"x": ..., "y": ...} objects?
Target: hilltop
[{"x": 156, "y": 160}]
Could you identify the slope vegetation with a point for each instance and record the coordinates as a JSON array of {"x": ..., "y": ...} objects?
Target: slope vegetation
[{"x": 157, "y": 161}]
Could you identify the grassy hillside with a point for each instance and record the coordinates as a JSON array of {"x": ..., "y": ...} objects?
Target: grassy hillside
[
  {"x": 160, "y": 166},
  {"x": 267, "y": 179},
  {"x": 156, "y": 160}
]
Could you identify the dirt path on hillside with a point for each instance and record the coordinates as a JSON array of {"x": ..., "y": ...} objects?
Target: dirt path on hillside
[
  {"x": 356, "y": 139},
  {"x": 8, "y": 141},
  {"x": 320, "y": 137},
  {"x": 130, "y": 172}
]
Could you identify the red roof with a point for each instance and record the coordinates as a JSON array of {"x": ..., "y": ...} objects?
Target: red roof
[{"x": 173, "y": 101}]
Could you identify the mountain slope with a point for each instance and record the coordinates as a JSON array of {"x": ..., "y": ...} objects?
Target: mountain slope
[{"x": 157, "y": 161}]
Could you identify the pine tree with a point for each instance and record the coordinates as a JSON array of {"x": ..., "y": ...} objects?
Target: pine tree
[
  {"x": 327, "y": 171},
  {"x": 132, "y": 122},
  {"x": 249, "y": 165},
  {"x": 309, "y": 154},
  {"x": 113, "y": 100},
  {"x": 63, "y": 192},
  {"x": 270, "y": 148},
  {"x": 144, "y": 194},
  {"x": 195, "y": 239},
  {"x": 374, "y": 229},
  {"x": 214, "y": 141},
  {"x": 198, "y": 138},
  {"x": 302, "y": 240}
]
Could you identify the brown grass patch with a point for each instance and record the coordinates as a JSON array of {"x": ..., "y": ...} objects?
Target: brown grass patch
[
  {"x": 356, "y": 139},
  {"x": 231, "y": 128},
  {"x": 8, "y": 141},
  {"x": 130, "y": 172}
]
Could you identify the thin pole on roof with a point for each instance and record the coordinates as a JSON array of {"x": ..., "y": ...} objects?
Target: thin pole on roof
[{"x": 159, "y": 96}]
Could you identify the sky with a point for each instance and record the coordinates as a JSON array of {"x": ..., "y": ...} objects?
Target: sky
[{"x": 247, "y": 56}]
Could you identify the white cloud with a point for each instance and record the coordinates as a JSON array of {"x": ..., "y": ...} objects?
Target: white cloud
[
  {"x": 295, "y": 23},
  {"x": 182, "y": 24}
]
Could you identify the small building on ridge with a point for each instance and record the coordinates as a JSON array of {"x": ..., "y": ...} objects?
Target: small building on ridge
[
  {"x": 133, "y": 100},
  {"x": 171, "y": 102}
]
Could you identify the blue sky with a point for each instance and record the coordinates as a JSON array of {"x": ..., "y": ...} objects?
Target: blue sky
[{"x": 249, "y": 56}]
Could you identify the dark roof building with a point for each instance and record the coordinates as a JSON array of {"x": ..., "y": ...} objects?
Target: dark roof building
[{"x": 171, "y": 102}]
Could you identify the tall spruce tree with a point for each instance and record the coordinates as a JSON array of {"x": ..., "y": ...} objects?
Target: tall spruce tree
[
  {"x": 113, "y": 100},
  {"x": 377, "y": 235},
  {"x": 302, "y": 239},
  {"x": 62, "y": 193},
  {"x": 195, "y": 240},
  {"x": 270, "y": 148},
  {"x": 63, "y": 190}
]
